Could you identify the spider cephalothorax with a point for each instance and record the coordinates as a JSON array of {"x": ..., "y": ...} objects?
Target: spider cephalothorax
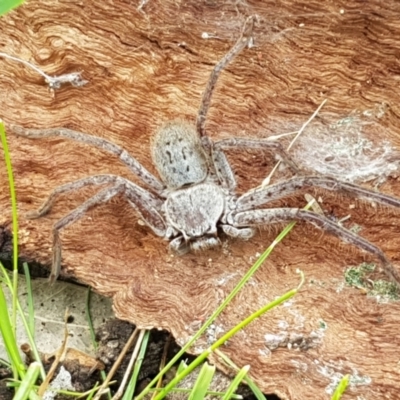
[{"x": 196, "y": 196}]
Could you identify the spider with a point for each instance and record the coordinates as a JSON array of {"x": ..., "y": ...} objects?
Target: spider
[{"x": 196, "y": 197}]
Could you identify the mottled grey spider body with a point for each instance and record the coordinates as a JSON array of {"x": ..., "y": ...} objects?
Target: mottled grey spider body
[
  {"x": 197, "y": 202},
  {"x": 196, "y": 196}
]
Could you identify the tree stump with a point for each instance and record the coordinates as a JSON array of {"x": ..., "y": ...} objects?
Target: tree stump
[{"x": 148, "y": 62}]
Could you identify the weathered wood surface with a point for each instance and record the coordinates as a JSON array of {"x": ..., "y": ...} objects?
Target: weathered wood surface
[{"x": 150, "y": 65}]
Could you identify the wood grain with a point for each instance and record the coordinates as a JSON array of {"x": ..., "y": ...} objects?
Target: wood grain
[{"x": 150, "y": 65}]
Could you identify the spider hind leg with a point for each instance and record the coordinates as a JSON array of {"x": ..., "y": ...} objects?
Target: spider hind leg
[
  {"x": 205, "y": 243},
  {"x": 277, "y": 215}
]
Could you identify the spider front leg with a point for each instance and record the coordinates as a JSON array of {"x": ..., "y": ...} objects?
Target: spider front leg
[
  {"x": 72, "y": 186},
  {"x": 242, "y": 42},
  {"x": 277, "y": 215},
  {"x": 221, "y": 164},
  {"x": 238, "y": 233},
  {"x": 103, "y": 144}
]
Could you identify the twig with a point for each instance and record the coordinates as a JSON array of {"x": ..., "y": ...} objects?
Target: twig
[
  {"x": 54, "y": 82},
  {"x": 117, "y": 363},
  {"x": 142, "y": 3},
  {"x": 267, "y": 180},
  {"x": 314, "y": 204},
  {"x": 121, "y": 388},
  {"x": 58, "y": 357},
  {"x": 162, "y": 365}
]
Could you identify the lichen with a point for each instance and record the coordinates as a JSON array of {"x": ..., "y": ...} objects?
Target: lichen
[{"x": 382, "y": 290}]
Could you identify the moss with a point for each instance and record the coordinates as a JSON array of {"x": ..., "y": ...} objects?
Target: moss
[{"x": 381, "y": 289}]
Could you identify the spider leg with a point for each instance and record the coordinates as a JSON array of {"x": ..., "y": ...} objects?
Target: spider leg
[
  {"x": 68, "y": 187},
  {"x": 148, "y": 207},
  {"x": 276, "y": 215},
  {"x": 221, "y": 164},
  {"x": 96, "y": 180},
  {"x": 144, "y": 202},
  {"x": 257, "y": 197},
  {"x": 101, "y": 197},
  {"x": 242, "y": 42},
  {"x": 103, "y": 144}
]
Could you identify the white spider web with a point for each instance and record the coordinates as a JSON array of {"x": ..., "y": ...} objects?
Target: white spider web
[{"x": 342, "y": 149}]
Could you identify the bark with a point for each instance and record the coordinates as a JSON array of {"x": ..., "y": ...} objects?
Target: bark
[{"x": 147, "y": 65}]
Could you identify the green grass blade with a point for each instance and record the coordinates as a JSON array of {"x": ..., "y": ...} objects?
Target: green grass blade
[
  {"x": 130, "y": 390},
  {"x": 5, "y": 363},
  {"x": 202, "y": 383},
  {"x": 208, "y": 393},
  {"x": 182, "y": 366},
  {"x": 92, "y": 392},
  {"x": 8, "y": 282},
  {"x": 31, "y": 309},
  {"x": 255, "y": 389},
  {"x": 89, "y": 319},
  {"x": 8, "y": 5},
  {"x": 257, "y": 314},
  {"x": 341, "y": 388},
  {"x": 14, "y": 220},
  {"x": 224, "y": 338},
  {"x": 8, "y": 334},
  {"x": 92, "y": 332},
  {"x": 27, "y": 384},
  {"x": 236, "y": 382}
]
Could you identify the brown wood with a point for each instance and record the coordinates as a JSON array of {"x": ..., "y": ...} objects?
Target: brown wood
[{"x": 150, "y": 65}]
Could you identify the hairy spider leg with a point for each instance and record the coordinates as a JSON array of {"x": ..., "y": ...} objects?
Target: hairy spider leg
[
  {"x": 238, "y": 233},
  {"x": 103, "y": 144},
  {"x": 261, "y": 196},
  {"x": 276, "y": 215},
  {"x": 95, "y": 180},
  {"x": 101, "y": 197},
  {"x": 242, "y": 42}
]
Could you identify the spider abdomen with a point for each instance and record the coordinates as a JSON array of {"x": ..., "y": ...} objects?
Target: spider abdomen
[{"x": 178, "y": 155}]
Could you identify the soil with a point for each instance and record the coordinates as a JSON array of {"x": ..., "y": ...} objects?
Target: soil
[{"x": 5, "y": 392}]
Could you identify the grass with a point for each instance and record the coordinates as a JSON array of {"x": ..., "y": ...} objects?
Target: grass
[
  {"x": 8, "y": 5},
  {"x": 8, "y": 324}
]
